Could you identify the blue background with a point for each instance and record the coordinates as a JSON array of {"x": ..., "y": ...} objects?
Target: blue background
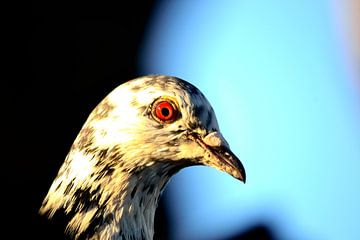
[{"x": 278, "y": 78}]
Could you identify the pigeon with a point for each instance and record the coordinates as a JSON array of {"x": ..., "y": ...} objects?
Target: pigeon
[{"x": 133, "y": 142}]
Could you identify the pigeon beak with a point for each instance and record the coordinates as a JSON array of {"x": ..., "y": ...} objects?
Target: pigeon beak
[{"x": 219, "y": 155}]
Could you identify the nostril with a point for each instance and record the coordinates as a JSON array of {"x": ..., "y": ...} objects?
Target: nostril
[{"x": 215, "y": 139}]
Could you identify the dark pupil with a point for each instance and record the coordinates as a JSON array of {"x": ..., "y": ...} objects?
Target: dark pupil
[{"x": 165, "y": 112}]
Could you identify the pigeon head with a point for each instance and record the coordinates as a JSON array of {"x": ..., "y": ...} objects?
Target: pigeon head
[{"x": 139, "y": 135}]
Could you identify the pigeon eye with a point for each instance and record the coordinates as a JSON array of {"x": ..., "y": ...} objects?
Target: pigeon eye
[{"x": 164, "y": 111}]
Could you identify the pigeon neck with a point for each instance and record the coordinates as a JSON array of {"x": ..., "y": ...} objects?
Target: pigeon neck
[{"x": 132, "y": 209}]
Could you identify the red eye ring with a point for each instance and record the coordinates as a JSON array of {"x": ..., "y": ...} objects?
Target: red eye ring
[{"x": 164, "y": 111}]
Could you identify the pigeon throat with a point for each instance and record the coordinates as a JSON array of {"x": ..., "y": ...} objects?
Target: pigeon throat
[{"x": 124, "y": 204}]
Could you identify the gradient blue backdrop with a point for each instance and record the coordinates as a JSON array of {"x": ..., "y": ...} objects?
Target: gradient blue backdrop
[{"x": 277, "y": 78}]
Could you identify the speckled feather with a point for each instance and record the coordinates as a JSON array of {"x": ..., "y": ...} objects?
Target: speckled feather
[{"x": 117, "y": 167}]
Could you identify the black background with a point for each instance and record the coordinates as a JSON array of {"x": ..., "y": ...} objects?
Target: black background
[{"x": 61, "y": 60}]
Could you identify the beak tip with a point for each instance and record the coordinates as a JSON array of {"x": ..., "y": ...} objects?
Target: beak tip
[
  {"x": 243, "y": 180},
  {"x": 240, "y": 172},
  {"x": 242, "y": 177}
]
